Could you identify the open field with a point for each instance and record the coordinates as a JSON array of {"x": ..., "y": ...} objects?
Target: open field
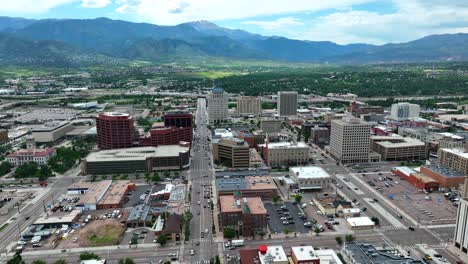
[{"x": 101, "y": 233}]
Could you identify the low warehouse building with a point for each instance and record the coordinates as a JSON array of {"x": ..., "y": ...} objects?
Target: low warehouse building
[
  {"x": 137, "y": 160},
  {"x": 446, "y": 177},
  {"x": 362, "y": 222},
  {"x": 423, "y": 182}
]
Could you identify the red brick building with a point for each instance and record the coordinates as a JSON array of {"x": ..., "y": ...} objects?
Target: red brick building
[
  {"x": 178, "y": 126},
  {"x": 114, "y": 130},
  {"x": 446, "y": 177},
  {"x": 246, "y": 216},
  {"x": 423, "y": 182}
]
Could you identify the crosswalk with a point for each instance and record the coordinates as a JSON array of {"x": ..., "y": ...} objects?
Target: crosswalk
[{"x": 202, "y": 262}]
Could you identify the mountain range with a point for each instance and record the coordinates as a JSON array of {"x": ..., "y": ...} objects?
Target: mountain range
[{"x": 77, "y": 42}]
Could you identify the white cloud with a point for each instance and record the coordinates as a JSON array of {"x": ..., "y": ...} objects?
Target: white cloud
[
  {"x": 278, "y": 24},
  {"x": 30, "y": 6},
  {"x": 169, "y": 12},
  {"x": 95, "y": 3},
  {"x": 413, "y": 19}
]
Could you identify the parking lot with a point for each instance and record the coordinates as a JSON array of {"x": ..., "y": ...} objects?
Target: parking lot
[
  {"x": 296, "y": 224},
  {"x": 143, "y": 235},
  {"x": 426, "y": 208},
  {"x": 134, "y": 197}
]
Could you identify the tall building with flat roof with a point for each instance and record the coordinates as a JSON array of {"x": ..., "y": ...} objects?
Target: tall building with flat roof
[
  {"x": 350, "y": 140},
  {"x": 285, "y": 153},
  {"x": 249, "y": 105},
  {"x": 404, "y": 111},
  {"x": 114, "y": 130},
  {"x": 217, "y": 105},
  {"x": 233, "y": 151},
  {"x": 287, "y": 103},
  {"x": 461, "y": 227},
  {"x": 454, "y": 159},
  {"x": 177, "y": 127}
]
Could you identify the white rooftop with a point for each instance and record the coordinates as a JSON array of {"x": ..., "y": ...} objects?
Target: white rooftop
[
  {"x": 285, "y": 145},
  {"x": 223, "y": 133},
  {"x": 360, "y": 221},
  {"x": 328, "y": 256},
  {"x": 405, "y": 170},
  {"x": 451, "y": 135},
  {"x": 351, "y": 210},
  {"x": 140, "y": 153},
  {"x": 309, "y": 172},
  {"x": 93, "y": 261},
  {"x": 457, "y": 152},
  {"x": 304, "y": 253},
  {"x": 276, "y": 253}
]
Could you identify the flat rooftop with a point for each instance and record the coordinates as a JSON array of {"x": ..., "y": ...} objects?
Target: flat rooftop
[
  {"x": 304, "y": 253},
  {"x": 260, "y": 182},
  {"x": 311, "y": 172},
  {"x": 116, "y": 192},
  {"x": 397, "y": 141},
  {"x": 366, "y": 253},
  {"x": 445, "y": 171},
  {"x": 252, "y": 205},
  {"x": 277, "y": 254},
  {"x": 68, "y": 218},
  {"x": 50, "y": 126},
  {"x": 95, "y": 192},
  {"x": 140, "y": 153},
  {"x": 282, "y": 145},
  {"x": 457, "y": 152},
  {"x": 231, "y": 184}
]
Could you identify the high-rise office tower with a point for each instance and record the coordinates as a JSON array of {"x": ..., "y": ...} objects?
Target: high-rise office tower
[
  {"x": 114, "y": 130},
  {"x": 287, "y": 103},
  {"x": 217, "y": 105}
]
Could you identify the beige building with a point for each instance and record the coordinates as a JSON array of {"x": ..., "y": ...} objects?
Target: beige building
[
  {"x": 217, "y": 105},
  {"x": 271, "y": 126},
  {"x": 249, "y": 105},
  {"x": 399, "y": 148},
  {"x": 285, "y": 153},
  {"x": 350, "y": 140},
  {"x": 454, "y": 159},
  {"x": 287, "y": 103},
  {"x": 233, "y": 151},
  {"x": 52, "y": 131}
]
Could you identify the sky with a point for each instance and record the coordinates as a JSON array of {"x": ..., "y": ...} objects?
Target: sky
[{"x": 340, "y": 21}]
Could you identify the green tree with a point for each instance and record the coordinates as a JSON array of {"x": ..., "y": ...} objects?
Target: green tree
[
  {"x": 17, "y": 259},
  {"x": 88, "y": 256},
  {"x": 162, "y": 240},
  {"x": 126, "y": 261},
  {"x": 375, "y": 220},
  {"x": 339, "y": 240},
  {"x": 349, "y": 238},
  {"x": 276, "y": 199},
  {"x": 229, "y": 233},
  {"x": 134, "y": 240},
  {"x": 317, "y": 231},
  {"x": 5, "y": 167},
  {"x": 60, "y": 261},
  {"x": 286, "y": 231},
  {"x": 298, "y": 198},
  {"x": 217, "y": 260},
  {"x": 65, "y": 159}
]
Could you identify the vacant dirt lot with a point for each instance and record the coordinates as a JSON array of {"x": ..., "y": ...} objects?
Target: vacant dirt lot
[{"x": 101, "y": 233}]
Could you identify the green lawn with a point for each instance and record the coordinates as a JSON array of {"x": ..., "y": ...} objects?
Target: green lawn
[{"x": 109, "y": 235}]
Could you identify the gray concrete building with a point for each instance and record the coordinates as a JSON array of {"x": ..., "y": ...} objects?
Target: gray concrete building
[
  {"x": 217, "y": 105},
  {"x": 287, "y": 103}
]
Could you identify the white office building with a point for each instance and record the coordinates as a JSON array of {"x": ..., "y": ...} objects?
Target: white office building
[
  {"x": 404, "y": 111},
  {"x": 217, "y": 105},
  {"x": 350, "y": 140},
  {"x": 287, "y": 103}
]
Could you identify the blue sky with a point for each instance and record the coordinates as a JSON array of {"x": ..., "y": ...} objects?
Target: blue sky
[{"x": 341, "y": 21}]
